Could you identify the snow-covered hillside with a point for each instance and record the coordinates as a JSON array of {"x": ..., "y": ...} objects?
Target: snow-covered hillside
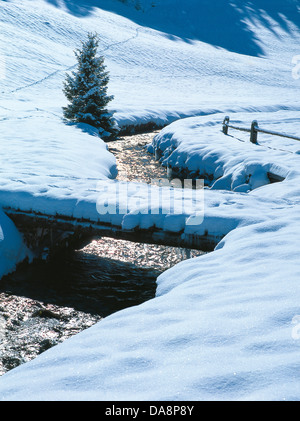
[{"x": 223, "y": 326}]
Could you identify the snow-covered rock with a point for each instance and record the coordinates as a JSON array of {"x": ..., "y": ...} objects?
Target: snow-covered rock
[{"x": 12, "y": 247}]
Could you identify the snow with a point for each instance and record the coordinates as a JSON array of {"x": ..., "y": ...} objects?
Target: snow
[
  {"x": 12, "y": 248},
  {"x": 206, "y": 336},
  {"x": 222, "y": 326},
  {"x": 146, "y": 65}
]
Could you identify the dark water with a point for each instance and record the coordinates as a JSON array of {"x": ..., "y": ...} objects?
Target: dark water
[{"x": 44, "y": 304}]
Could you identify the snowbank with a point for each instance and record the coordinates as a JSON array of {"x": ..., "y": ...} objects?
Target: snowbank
[
  {"x": 197, "y": 147},
  {"x": 42, "y": 158},
  {"x": 222, "y": 332},
  {"x": 162, "y": 66}
]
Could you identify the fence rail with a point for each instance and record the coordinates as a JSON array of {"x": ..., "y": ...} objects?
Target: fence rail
[{"x": 254, "y": 130}]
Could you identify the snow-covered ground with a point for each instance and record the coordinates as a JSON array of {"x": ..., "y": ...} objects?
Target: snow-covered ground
[
  {"x": 198, "y": 147},
  {"x": 225, "y": 325}
]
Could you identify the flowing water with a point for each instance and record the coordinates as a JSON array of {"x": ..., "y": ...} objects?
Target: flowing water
[{"x": 43, "y": 304}]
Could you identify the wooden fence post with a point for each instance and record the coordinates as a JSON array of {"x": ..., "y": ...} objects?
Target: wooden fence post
[
  {"x": 225, "y": 125},
  {"x": 253, "y": 133}
]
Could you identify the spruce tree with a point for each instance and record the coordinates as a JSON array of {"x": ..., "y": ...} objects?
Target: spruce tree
[{"x": 86, "y": 90}]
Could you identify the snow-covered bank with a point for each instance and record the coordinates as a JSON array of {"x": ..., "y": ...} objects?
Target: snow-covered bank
[
  {"x": 223, "y": 332},
  {"x": 65, "y": 172},
  {"x": 198, "y": 147},
  {"x": 42, "y": 155},
  {"x": 41, "y": 151}
]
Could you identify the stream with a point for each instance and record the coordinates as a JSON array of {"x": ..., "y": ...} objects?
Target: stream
[{"x": 44, "y": 304}]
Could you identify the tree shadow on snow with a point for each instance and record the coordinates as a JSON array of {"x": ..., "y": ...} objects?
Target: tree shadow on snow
[{"x": 220, "y": 23}]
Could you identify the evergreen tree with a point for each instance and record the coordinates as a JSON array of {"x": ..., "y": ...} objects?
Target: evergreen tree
[{"x": 86, "y": 90}]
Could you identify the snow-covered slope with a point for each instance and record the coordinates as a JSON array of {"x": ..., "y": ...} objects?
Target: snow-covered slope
[{"x": 224, "y": 326}]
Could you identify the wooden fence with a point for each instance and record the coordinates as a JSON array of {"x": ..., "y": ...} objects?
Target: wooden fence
[{"x": 254, "y": 130}]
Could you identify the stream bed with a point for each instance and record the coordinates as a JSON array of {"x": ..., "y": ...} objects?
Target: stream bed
[{"x": 45, "y": 303}]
